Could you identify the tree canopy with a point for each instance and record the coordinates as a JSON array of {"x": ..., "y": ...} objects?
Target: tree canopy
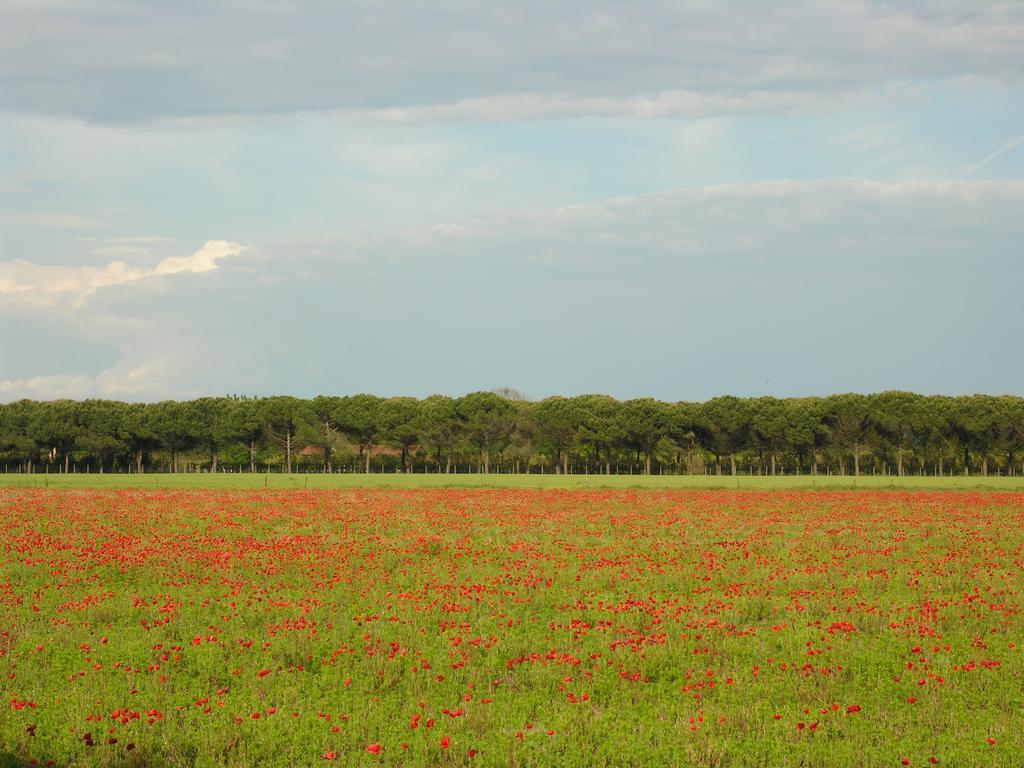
[{"x": 887, "y": 433}]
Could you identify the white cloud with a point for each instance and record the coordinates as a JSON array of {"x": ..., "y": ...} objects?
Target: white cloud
[
  {"x": 25, "y": 284},
  {"x": 126, "y": 380},
  {"x": 203, "y": 260}
]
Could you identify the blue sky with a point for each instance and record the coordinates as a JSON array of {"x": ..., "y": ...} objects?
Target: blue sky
[{"x": 677, "y": 199}]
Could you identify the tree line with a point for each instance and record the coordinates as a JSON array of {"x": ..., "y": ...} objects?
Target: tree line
[{"x": 896, "y": 433}]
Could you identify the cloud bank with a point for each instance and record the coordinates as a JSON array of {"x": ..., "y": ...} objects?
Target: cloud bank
[
  {"x": 113, "y": 61},
  {"x": 857, "y": 270}
]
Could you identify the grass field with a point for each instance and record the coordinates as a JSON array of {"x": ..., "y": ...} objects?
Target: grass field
[
  {"x": 510, "y": 627},
  {"x": 398, "y": 481}
]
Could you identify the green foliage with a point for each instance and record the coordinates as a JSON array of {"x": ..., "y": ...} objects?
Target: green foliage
[
  {"x": 891, "y": 433},
  {"x": 488, "y": 420}
]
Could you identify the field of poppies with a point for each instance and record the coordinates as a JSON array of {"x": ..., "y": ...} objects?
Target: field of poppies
[{"x": 511, "y": 627}]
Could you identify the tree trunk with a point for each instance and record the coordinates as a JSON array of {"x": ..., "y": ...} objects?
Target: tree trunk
[
  {"x": 213, "y": 461},
  {"x": 138, "y": 462},
  {"x": 252, "y": 457},
  {"x": 448, "y": 463},
  {"x": 856, "y": 462},
  {"x": 328, "y": 451},
  {"x": 367, "y": 470},
  {"x": 486, "y": 455},
  {"x": 565, "y": 464},
  {"x": 647, "y": 464},
  {"x": 732, "y": 463}
]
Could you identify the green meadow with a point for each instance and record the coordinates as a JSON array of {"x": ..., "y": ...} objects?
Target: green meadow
[
  {"x": 482, "y": 628},
  {"x": 396, "y": 480}
]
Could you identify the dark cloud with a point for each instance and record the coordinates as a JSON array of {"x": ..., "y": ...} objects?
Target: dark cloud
[{"x": 118, "y": 61}]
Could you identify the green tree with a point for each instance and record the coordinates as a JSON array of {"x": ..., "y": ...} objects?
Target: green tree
[
  {"x": 359, "y": 418},
  {"x": 558, "y": 422},
  {"x": 178, "y": 426},
  {"x": 723, "y": 426},
  {"x": 138, "y": 430},
  {"x": 400, "y": 417},
  {"x": 770, "y": 427},
  {"x": 282, "y": 419},
  {"x": 524, "y": 435},
  {"x": 600, "y": 427},
  {"x": 325, "y": 435},
  {"x": 53, "y": 430},
  {"x": 977, "y": 423},
  {"x": 15, "y": 440},
  {"x": 1011, "y": 431},
  {"x": 852, "y": 425},
  {"x": 683, "y": 423},
  {"x": 441, "y": 428},
  {"x": 488, "y": 420},
  {"x": 645, "y": 423},
  {"x": 807, "y": 434},
  {"x": 98, "y": 435},
  {"x": 899, "y": 423}
]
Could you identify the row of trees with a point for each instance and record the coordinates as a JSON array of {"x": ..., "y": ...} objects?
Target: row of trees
[{"x": 889, "y": 433}]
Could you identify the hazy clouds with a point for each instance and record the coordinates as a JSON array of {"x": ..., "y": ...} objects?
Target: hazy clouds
[
  {"x": 668, "y": 198},
  {"x": 118, "y": 60}
]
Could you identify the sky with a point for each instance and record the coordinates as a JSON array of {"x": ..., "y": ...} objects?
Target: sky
[{"x": 639, "y": 198}]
